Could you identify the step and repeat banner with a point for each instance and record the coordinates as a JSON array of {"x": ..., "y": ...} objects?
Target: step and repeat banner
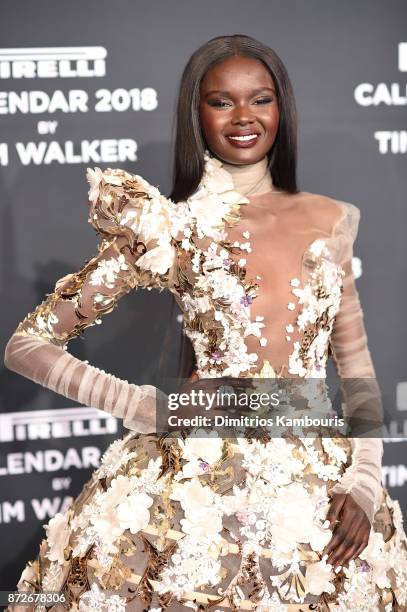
[{"x": 94, "y": 83}]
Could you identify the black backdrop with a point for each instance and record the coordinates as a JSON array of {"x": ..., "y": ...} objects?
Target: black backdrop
[{"x": 99, "y": 88}]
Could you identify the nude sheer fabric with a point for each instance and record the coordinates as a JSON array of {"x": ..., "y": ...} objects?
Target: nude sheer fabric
[
  {"x": 360, "y": 388},
  {"x": 281, "y": 227},
  {"x": 38, "y": 347}
]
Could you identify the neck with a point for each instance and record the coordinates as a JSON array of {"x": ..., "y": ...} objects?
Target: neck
[{"x": 251, "y": 179}]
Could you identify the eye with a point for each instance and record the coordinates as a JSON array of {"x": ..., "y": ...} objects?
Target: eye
[
  {"x": 217, "y": 103},
  {"x": 224, "y": 104},
  {"x": 264, "y": 100}
]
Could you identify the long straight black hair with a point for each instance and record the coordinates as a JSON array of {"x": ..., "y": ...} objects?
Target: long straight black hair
[{"x": 190, "y": 144}]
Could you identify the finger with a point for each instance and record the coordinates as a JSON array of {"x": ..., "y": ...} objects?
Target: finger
[
  {"x": 336, "y": 557},
  {"x": 353, "y": 552},
  {"x": 348, "y": 536},
  {"x": 339, "y": 534},
  {"x": 333, "y": 518},
  {"x": 335, "y": 508},
  {"x": 336, "y": 541},
  {"x": 354, "y": 542},
  {"x": 356, "y": 552},
  {"x": 360, "y": 534}
]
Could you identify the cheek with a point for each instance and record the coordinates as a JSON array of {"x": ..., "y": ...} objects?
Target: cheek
[
  {"x": 271, "y": 123},
  {"x": 271, "y": 120},
  {"x": 211, "y": 123}
]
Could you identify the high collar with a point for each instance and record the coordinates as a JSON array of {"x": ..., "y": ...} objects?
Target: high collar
[{"x": 251, "y": 179}]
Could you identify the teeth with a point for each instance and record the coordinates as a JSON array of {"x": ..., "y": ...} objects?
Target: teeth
[{"x": 248, "y": 137}]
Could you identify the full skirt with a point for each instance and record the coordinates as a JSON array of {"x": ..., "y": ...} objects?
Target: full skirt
[{"x": 173, "y": 524}]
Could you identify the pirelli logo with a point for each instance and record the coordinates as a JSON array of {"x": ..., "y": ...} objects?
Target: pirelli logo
[
  {"x": 52, "y": 62},
  {"x": 58, "y": 423}
]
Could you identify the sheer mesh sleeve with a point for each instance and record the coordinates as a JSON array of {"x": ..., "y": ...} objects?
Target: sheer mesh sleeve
[
  {"x": 135, "y": 251},
  {"x": 361, "y": 393}
]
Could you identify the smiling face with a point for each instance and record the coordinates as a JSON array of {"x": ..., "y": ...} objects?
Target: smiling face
[{"x": 238, "y": 98}]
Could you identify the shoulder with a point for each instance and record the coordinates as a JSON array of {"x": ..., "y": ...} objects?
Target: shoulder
[
  {"x": 125, "y": 204},
  {"x": 120, "y": 199},
  {"x": 329, "y": 213},
  {"x": 119, "y": 180}
]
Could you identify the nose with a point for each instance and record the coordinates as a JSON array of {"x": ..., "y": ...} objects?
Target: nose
[{"x": 242, "y": 114}]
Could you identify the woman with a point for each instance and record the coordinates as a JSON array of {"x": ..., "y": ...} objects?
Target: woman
[{"x": 262, "y": 273}]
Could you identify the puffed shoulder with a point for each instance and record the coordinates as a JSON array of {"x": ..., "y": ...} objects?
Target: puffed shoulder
[
  {"x": 125, "y": 204},
  {"x": 349, "y": 220},
  {"x": 344, "y": 232},
  {"x": 331, "y": 215}
]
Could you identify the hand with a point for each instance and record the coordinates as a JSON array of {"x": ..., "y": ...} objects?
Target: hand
[{"x": 351, "y": 529}]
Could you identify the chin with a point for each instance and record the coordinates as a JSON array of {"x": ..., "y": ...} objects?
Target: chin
[{"x": 244, "y": 156}]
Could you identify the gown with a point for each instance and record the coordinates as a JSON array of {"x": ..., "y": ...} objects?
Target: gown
[{"x": 265, "y": 283}]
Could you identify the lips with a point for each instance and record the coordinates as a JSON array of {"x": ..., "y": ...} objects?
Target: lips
[
  {"x": 247, "y": 138},
  {"x": 244, "y": 138},
  {"x": 244, "y": 133}
]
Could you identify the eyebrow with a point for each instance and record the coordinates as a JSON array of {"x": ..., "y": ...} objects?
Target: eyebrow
[{"x": 227, "y": 93}]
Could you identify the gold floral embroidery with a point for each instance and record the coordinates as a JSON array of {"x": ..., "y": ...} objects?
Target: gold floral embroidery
[
  {"x": 119, "y": 279},
  {"x": 320, "y": 299}
]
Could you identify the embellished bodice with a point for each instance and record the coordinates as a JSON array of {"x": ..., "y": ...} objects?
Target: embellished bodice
[
  {"x": 260, "y": 294},
  {"x": 258, "y": 277},
  {"x": 292, "y": 290}
]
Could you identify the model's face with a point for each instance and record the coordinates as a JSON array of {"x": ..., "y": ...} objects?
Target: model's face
[{"x": 238, "y": 97}]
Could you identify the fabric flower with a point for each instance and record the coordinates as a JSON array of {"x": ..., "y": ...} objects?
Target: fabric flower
[
  {"x": 375, "y": 555},
  {"x": 58, "y": 532},
  {"x": 205, "y": 446},
  {"x": 291, "y": 517},
  {"x": 319, "y": 537},
  {"x": 216, "y": 179},
  {"x": 28, "y": 574},
  {"x": 158, "y": 260},
  {"x": 208, "y": 212},
  {"x": 114, "y": 457},
  {"x": 94, "y": 178},
  {"x": 117, "y": 492},
  {"x": 133, "y": 513},
  {"x": 318, "y": 578},
  {"x": 201, "y": 521},
  {"x": 95, "y": 600},
  {"x": 192, "y": 495},
  {"x": 202, "y": 518},
  {"x": 107, "y": 271},
  {"x": 107, "y": 527},
  {"x": 146, "y": 223},
  {"x": 317, "y": 247}
]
